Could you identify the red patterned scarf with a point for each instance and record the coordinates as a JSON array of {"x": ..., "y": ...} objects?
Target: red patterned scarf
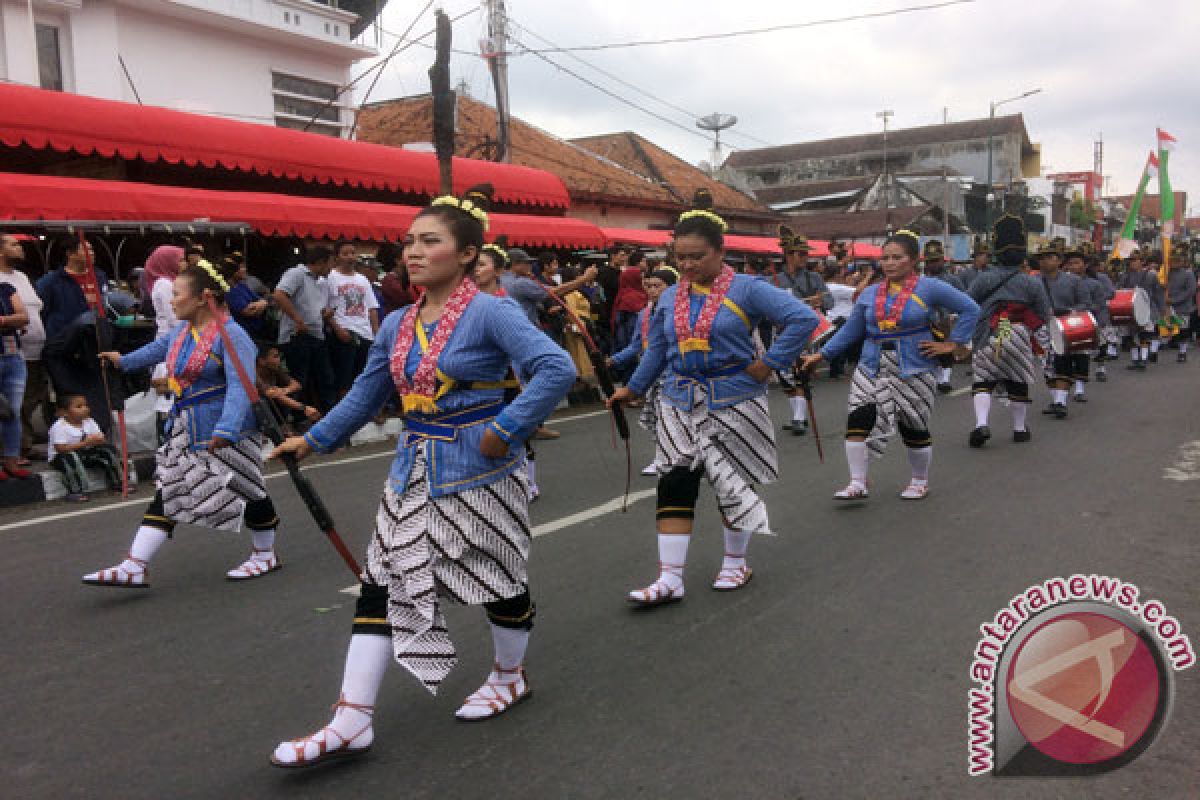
[
  {"x": 891, "y": 320},
  {"x": 422, "y": 393},
  {"x": 692, "y": 339},
  {"x": 646, "y": 313},
  {"x": 195, "y": 361}
]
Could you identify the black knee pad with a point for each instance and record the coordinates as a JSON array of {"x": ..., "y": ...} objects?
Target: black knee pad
[
  {"x": 370, "y": 612},
  {"x": 983, "y": 387},
  {"x": 260, "y": 515},
  {"x": 155, "y": 517},
  {"x": 860, "y": 421},
  {"x": 516, "y": 613},
  {"x": 677, "y": 493},
  {"x": 1018, "y": 391},
  {"x": 913, "y": 437}
]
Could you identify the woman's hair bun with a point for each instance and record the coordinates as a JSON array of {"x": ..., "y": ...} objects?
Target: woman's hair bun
[
  {"x": 480, "y": 195},
  {"x": 702, "y": 200}
]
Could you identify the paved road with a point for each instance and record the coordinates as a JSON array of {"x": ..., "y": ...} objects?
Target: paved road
[{"x": 840, "y": 672}]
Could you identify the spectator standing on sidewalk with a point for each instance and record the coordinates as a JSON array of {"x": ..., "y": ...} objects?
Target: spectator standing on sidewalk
[
  {"x": 33, "y": 339},
  {"x": 13, "y": 319},
  {"x": 398, "y": 290},
  {"x": 353, "y": 317},
  {"x": 302, "y": 295}
]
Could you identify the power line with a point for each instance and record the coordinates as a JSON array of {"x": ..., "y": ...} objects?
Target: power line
[
  {"x": 755, "y": 31},
  {"x": 612, "y": 94},
  {"x": 688, "y": 113}
]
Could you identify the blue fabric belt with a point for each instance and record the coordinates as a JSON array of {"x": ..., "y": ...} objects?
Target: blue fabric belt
[
  {"x": 723, "y": 372},
  {"x": 445, "y": 427},
  {"x": 881, "y": 336},
  {"x": 201, "y": 396}
]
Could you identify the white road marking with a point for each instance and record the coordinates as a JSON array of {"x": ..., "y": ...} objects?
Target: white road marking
[
  {"x": 83, "y": 512},
  {"x": 1187, "y": 466},
  {"x": 959, "y": 392},
  {"x": 567, "y": 521}
]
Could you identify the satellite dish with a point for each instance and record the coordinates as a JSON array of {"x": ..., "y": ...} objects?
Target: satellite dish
[{"x": 716, "y": 122}]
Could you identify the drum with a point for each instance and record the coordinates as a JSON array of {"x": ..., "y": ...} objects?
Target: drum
[
  {"x": 1073, "y": 333},
  {"x": 1130, "y": 307}
]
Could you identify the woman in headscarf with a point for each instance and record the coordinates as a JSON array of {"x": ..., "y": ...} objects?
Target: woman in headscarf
[
  {"x": 630, "y": 300},
  {"x": 158, "y": 284}
]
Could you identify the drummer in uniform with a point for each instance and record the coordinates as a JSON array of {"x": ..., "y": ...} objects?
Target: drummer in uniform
[
  {"x": 1076, "y": 262},
  {"x": 1137, "y": 276},
  {"x": 1181, "y": 296},
  {"x": 807, "y": 285},
  {"x": 981, "y": 254},
  {"x": 1101, "y": 290},
  {"x": 935, "y": 267},
  {"x": 1067, "y": 294}
]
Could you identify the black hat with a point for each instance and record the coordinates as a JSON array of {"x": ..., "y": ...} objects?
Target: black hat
[
  {"x": 791, "y": 241},
  {"x": 981, "y": 247},
  {"x": 934, "y": 250},
  {"x": 516, "y": 256},
  {"x": 1009, "y": 234}
]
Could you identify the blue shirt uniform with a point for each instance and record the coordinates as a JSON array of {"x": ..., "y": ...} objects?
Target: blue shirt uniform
[
  {"x": 492, "y": 334},
  {"x": 722, "y": 369}
]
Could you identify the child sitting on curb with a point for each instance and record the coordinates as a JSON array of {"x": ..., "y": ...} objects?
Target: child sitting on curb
[{"x": 76, "y": 443}]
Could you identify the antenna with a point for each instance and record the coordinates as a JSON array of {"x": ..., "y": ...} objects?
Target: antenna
[{"x": 716, "y": 122}]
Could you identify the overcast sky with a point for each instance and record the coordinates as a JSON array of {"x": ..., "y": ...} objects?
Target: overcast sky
[{"x": 1111, "y": 67}]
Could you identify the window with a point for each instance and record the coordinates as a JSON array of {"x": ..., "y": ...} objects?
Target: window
[
  {"x": 287, "y": 17},
  {"x": 50, "y": 71},
  {"x": 298, "y": 100}
]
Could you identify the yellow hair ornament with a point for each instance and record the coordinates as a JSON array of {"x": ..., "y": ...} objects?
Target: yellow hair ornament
[
  {"x": 463, "y": 205},
  {"x": 499, "y": 251},
  {"x": 212, "y": 272},
  {"x": 700, "y": 212}
]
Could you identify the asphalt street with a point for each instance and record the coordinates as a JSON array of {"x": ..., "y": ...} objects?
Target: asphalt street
[{"x": 841, "y": 671}]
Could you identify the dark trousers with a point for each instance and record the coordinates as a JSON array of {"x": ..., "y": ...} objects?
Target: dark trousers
[
  {"x": 73, "y": 466},
  {"x": 308, "y": 362},
  {"x": 349, "y": 360},
  {"x": 37, "y": 401}
]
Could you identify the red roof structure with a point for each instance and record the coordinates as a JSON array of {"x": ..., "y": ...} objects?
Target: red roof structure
[
  {"x": 45, "y": 197},
  {"x": 69, "y": 123}
]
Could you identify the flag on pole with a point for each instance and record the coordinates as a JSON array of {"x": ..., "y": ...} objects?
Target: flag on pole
[
  {"x": 1126, "y": 243},
  {"x": 1166, "y": 199}
]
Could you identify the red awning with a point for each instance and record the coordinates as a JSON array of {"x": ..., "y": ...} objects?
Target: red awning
[
  {"x": 44, "y": 197},
  {"x": 766, "y": 245},
  {"x": 87, "y": 125}
]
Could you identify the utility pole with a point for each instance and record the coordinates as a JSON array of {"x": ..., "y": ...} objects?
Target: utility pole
[
  {"x": 496, "y": 55},
  {"x": 945, "y": 181},
  {"x": 885, "y": 115},
  {"x": 444, "y": 104}
]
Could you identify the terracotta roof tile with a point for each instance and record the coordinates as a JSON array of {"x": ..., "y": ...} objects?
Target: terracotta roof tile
[
  {"x": 1151, "y": 207},
  {"x": 682, "y": 179},
  {"x": 410, "y": 119}
]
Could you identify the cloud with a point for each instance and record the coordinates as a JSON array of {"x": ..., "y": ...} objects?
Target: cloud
[{"x": 1106, "y": 67}]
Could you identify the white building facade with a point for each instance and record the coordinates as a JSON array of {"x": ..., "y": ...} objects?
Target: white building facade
[{"x": 275, "y": 62}]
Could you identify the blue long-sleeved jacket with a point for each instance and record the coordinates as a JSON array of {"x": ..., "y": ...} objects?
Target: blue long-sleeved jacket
[
  {"x": 722, "y": 369},
  {"x": 216, "y": 404},
  {"x": 62, "y": 299},
  {"x": 930, "y": 294},
  {"x": 491, "y": 334},
  {"x": 633, "y": 351}
]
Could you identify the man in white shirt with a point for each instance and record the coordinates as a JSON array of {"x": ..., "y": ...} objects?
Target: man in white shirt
[{"x": 352, "y": 315}]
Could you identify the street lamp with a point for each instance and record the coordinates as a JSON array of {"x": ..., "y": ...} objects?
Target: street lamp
[
  {"x": 990, "y": 196},
  {"x": 885, "y": 115}
]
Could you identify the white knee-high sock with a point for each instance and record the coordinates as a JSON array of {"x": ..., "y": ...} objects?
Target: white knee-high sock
[
  {"x": 1079, "y": 387},
  {"x": 1059, "y": 396},
  {"x": 1183, "y": 345},
  {"x": 1019, "y": 412},
  {"x": 945, "y": 374},
  {"x": 366, "y": 661},
  {"x": 146, "y": 542},
  {"x": 799, "y": 409},
  {"x": 1154, "y": 345},
  {"x": 919, "y": 458},
  {"x": 1113, "y": 352},
  {"x": 983, "y": 406},
  {"x": 856, "y": 458},
  {"x": 736, "y": 544},
  {"x": 509, "y": 645},
  {"x": 531, "y": 471},
  {"x": 263, "y": 542},
  {"x": 672, "y": 557}
]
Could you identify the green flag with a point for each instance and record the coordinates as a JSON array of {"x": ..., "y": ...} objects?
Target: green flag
[
  {"x": 1126, "y": 243},
  {"x": 1166, "y": 143}
]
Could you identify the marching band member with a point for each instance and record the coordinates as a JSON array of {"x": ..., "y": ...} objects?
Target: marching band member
[
  {"x": 1181, "y": 296},
  {"x": 935, "y": 267},
  {"x": 981, "y": 255},
  {"x": 209, "y": 467},
  {"x": 894, "y": 384},
  {"x": 1094, "y": 301},
  {"x": 713, "y": 419},
  {"x": 654, "y": 285},
  {"x": 1012, "y": 304},
  {"x": 1067, "y": 293},
  {"x": 454, "y": 518},
  {"x": 1137, "y": 276},
  {"x": 809, "y": 286},
  {"x": 1102, "y": 290}
]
